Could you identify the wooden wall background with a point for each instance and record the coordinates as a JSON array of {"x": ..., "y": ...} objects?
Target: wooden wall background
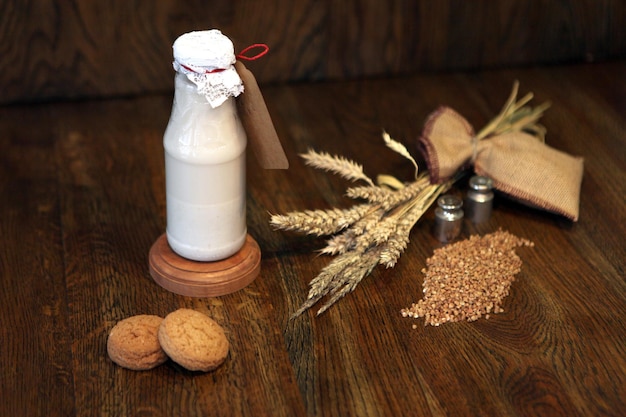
[{"x": 71, "y": 49}]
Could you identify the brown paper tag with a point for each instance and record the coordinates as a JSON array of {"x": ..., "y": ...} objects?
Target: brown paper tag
[{"x": 258, "y": 124}]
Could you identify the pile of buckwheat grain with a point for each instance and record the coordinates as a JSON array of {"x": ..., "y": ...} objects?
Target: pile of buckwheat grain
[{"x": 468, "y": 279}]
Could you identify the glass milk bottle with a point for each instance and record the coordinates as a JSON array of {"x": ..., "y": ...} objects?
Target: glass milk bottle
[{"x": 205, "y": 151}]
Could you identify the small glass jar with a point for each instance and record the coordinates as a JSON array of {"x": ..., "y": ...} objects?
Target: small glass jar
[
  {"x": 479, "y": 201},
  {"x": 448, "y": 218}
]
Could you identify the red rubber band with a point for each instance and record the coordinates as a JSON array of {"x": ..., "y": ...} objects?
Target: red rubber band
[{"x": 241, "y": 55}]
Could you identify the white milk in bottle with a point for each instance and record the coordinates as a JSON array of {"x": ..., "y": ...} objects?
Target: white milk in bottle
[{"x": 205, "y": 151}]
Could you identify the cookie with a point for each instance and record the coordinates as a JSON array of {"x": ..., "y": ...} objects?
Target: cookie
[
  {"x": 193, "y": 340},
  {"x": 133, "y": 343}
]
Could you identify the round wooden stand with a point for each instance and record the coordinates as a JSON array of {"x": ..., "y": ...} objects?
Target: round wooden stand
[{"x": 204, "y": 279}]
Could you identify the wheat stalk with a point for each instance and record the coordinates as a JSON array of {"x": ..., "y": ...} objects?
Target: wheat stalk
[
  {"x": 319, "y": 222},
  {"x": 401, "y": 149},
  {"x": 515, "y": 116},
  {"x": 339, "y": 165}
]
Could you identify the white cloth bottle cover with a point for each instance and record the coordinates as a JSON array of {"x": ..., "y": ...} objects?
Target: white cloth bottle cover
[{"x": 207, "y": 58}]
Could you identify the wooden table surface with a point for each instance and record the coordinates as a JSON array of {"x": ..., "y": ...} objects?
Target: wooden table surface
[{"x": 83, "y": 200}]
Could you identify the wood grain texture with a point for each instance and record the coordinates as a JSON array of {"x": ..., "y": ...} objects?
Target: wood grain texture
[
  {"x": 82, "y": 201},
  {"x": 77, "y": 49},
  {"x": 204, "y": 279},
  {"x": 36, "y": 332}
]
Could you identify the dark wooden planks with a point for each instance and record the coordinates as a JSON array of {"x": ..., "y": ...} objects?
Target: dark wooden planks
[
  {"x": 83, "y": 199},
  {"x": 60, "y": 50},
  {"x": 544, "y": 354},
  {"x": 35, "y": 338}
]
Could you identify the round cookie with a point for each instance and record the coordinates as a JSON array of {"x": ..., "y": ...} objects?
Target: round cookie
[
  {"x": 193, "y": 340},
  {"x": 133, "y": 343}
]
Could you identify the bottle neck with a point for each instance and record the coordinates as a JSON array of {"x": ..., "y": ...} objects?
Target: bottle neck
[{"x": 199, "y": 132}]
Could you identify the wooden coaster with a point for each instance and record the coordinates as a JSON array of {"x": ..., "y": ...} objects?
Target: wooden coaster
[{"x": 204, "y": 279}]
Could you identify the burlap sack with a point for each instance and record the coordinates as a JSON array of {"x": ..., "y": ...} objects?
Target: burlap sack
[{"x": 519, "y": 165}]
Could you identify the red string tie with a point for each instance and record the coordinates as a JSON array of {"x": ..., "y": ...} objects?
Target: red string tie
[{"x": 242, "y": 54}]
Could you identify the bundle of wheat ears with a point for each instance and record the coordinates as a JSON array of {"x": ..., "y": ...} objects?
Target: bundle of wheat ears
[
  {"x": 367, "y": 234},
  {"x": 377, "y": 230}
]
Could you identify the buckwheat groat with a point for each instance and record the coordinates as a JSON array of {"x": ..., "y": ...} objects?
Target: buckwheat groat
[
  {"x": 468, "y": 279},
  {"x": 193, "y": 340},
  {"x": 133, "y": 343}
]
